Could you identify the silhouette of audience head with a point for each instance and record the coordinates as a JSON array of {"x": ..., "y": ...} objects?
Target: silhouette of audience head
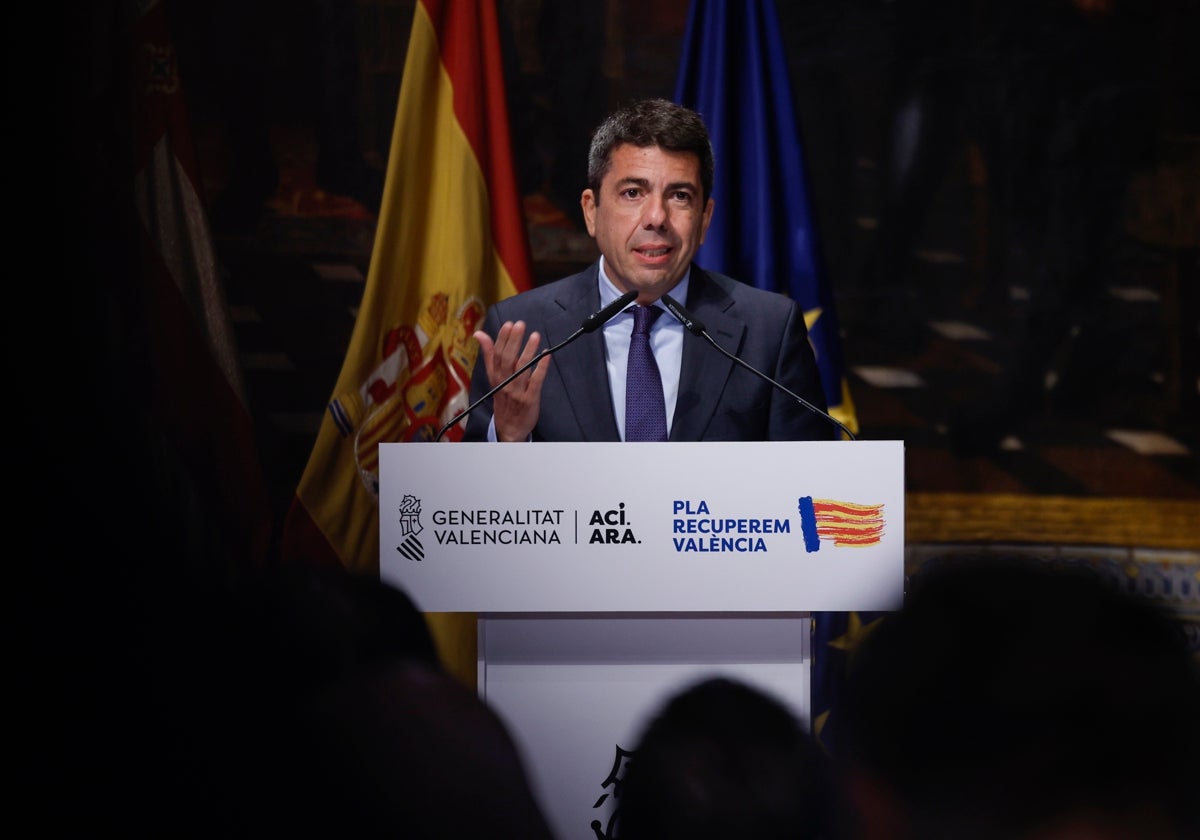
[
  {"x": 723, "y": 759},
  {"x": 294, "y": 702},
  {"x": 1013, "y": 699},
  {"x": 408, "y": 751}
]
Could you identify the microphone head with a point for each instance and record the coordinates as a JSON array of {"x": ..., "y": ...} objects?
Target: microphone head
[
  {"x": 597, "y": 319},
  {"x": 689, "y": 323}
]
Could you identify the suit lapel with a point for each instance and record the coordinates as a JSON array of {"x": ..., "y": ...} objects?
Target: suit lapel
[
  {"x": 704, "y": 370},
  {"x": 582, "y": 365}
]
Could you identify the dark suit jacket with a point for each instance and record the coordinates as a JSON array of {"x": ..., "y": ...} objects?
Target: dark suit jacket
[{"x": 718, "y": 399}]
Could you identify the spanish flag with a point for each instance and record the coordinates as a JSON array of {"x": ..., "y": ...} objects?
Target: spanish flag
[{"x": 450, "y": 241}]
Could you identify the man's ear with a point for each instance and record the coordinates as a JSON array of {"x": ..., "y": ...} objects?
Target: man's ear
[{"x": 587, "y": 200}]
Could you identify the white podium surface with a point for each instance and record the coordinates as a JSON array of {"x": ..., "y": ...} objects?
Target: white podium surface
[
  {"x": 609, "y": 576},
  {"x": 615, "y": 527}
]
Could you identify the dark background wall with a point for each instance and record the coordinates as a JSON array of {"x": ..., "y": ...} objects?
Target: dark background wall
[{"x": 976, "y": 64}]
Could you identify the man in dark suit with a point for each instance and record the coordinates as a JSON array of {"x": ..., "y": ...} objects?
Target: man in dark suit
[{"x": 648, "y": 205}]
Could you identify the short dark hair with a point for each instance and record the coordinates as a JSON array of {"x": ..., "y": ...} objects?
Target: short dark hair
[
  {"x": 722, "y": 758},
  {"x": 1008, "y": 694},
  {"x": 651, "y": 122}
]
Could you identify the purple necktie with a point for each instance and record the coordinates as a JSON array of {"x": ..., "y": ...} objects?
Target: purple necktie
[{"x": 645, "y": 411}]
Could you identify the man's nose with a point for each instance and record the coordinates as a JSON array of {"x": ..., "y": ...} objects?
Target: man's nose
[{"x": 654, "y": 212}]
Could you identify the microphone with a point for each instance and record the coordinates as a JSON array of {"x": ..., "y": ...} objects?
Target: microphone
[
  {"x": 695, "y": 327},
  {"x": 598, "y": 319},
  {"x": 591, "y": 323}
]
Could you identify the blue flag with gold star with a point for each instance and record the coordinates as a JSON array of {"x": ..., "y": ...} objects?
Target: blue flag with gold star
[
  {"x": 734, "y": 72},
  {"x": 835, "y": 637}
]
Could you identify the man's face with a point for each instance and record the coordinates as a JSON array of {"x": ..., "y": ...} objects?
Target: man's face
[{"x": 649, "y": 218}]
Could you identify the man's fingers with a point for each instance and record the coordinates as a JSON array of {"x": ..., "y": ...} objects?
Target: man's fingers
[
  {"x": 538, "y": 375},
  {"x": 486, "y": 345},
  {"x": 510, "y": 351},
  {"x": 508, "y": 342},
  {"x": 530, "y": 349}
]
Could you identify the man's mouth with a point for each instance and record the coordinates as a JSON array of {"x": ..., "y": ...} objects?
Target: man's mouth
[{"x": 654, "y": 252}]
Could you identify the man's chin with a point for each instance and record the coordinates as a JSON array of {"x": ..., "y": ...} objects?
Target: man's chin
[{"x": 658, "y": 280}]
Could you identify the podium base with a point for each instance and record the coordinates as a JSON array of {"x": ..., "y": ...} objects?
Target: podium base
[{"x": 576, "y": 690}]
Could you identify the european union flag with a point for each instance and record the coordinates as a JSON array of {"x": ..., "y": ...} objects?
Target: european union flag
[
  {"x": 734, "y": 73},
  {"x": 835, "y": 636}
]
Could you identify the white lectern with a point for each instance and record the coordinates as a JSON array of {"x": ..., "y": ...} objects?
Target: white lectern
[{"x": 608, "y": 576}]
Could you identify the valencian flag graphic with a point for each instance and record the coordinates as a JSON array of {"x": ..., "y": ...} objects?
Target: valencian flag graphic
[
  {"x": 734, "y": 72},
  {"x": 843, "y": 523},
  {"x": 450, "y": 241}
]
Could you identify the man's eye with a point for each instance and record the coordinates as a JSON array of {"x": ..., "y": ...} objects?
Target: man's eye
[
  {"x": 631, "y": 192},
  {"x": 683, "y": 196}
]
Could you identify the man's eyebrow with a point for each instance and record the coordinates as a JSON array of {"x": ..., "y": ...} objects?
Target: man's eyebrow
[
  {"x": 632, "y": 182},
  {"x": 681, "y": 185}
]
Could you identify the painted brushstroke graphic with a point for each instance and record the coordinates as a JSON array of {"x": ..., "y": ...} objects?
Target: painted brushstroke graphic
[{"x": 847, "y": 524}]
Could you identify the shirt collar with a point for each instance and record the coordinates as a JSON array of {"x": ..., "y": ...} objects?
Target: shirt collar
[{"x": 609, "y": 292}]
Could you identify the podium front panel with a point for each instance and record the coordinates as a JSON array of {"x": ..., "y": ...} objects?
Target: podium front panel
[{"x": 636, "y": 527}]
